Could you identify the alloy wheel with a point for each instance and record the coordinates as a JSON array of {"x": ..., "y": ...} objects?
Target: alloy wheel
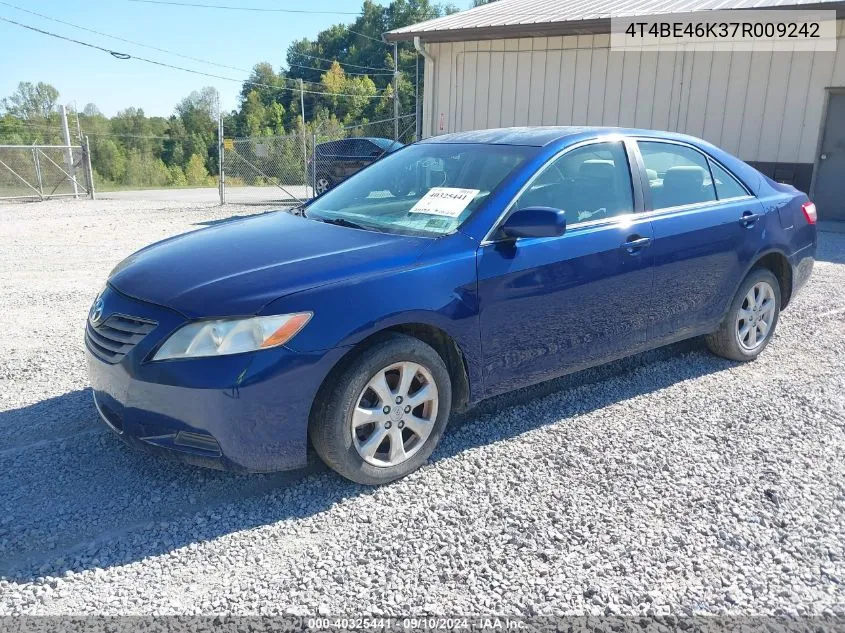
[
  {"x": 394, "y": 414},
  {"x": 323, "y": 185},
  {"x": 755, "y": 316}
]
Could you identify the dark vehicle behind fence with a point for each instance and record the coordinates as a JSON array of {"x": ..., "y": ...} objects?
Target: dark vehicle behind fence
[{"x": 337, "y": 160}]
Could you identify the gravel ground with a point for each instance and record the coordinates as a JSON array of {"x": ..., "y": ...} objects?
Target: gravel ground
[{"x": 672, "y": 482}]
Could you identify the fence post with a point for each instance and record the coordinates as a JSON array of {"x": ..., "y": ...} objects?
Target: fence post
[
  {"x": 395, "y": 91},
  {"x": 304, "y": 138},
  {"x": 314, "y": 162},
  {"x": 221, "y": 181},
  {"x": 89, "y": 172},
  {"x": 37, "y": 171}
]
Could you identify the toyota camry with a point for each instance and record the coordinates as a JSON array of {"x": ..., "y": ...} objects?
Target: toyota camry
[{"x": 457, "y": 268}]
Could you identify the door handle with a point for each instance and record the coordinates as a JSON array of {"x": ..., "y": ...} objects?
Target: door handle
[
  {"x": 635, "y": 244},
  {"x": 748, "y": 219}
]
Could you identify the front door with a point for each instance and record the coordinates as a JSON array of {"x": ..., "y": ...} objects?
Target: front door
[
  {"x": 553, "y": 305},
  {"x": 829, "y": 188}
]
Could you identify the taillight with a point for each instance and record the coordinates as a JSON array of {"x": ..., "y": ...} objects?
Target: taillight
[{"x": 809, "y": 209}]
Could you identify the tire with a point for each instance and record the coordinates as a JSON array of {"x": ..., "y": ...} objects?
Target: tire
[
  {"x": 729, "y": 341},
  {"x": 324, "y": 183},
  {"x": 340, "y": 429}
]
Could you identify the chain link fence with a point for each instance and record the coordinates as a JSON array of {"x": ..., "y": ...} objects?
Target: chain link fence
[
  {"x": 340, "y": 151},
  {"x": 41, "y": 172},
  {"x": 286, "y": 170},
  {"x": 266, "y": 169}
]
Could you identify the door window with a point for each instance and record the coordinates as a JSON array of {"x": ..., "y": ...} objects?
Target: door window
[
  {"x": 727, "y": 185},
  {"x": 677, "y": 175},
  {"x": 589, "y": 183}
]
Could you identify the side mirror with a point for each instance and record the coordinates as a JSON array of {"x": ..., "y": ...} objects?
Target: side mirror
[{"x": 535, "y": 222}]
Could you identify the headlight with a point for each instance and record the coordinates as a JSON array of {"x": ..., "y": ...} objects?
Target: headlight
[{"x": 232, "y": 336}]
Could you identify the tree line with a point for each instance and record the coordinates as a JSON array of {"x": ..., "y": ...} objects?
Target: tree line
[{"x": 346, "y": 72}]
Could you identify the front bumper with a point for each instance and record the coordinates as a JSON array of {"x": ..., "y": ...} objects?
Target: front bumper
[{"x": 246, "y": 412}]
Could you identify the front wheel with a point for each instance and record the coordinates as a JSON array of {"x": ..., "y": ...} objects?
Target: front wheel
[
  {"x": 750, "y": 322},
  {"x": 381, "y": 417}
]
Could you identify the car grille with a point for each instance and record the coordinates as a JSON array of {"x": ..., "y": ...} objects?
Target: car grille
[{"x": 112, "y": 339}]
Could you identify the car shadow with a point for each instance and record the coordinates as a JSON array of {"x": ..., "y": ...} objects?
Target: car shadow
[
  {"x": 78, "y": 498},
  {"x": 831, "y": 246}
]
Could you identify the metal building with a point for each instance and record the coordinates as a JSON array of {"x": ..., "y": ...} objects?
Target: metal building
[{"x": 548, "y": 62}]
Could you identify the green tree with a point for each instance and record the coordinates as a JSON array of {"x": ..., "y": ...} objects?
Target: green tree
[
  {"x": 196, "y": 173},
  {"x": 254, "y": 114},
  {"x": 198, "y": 114},
  {"x": 144, "y": 170},
  {"x": 32, "y": 101},
  {"x": 176, "y": 177},
  {"x": 109, "y": 159}
]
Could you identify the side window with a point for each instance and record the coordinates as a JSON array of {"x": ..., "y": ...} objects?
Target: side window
[
  {"x": 361, "y": 148},
  {"x": 588, "y": 183},
  {"x": 351, "y": 148},
  {"x": 372, "y": 150},
  {"x": 727, "y": 185},
  {"x": 677, "y": 174}
]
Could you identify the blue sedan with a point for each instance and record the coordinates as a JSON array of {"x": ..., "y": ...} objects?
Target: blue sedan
[{"x": 452, "y": 270}]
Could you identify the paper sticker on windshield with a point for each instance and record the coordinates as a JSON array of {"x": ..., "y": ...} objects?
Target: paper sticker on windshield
[{"x": 446, "y": 201}]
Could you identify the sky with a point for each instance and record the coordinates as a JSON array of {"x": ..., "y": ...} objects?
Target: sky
[{"x": 83, "y": 75}]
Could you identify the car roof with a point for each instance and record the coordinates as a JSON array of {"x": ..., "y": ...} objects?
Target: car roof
[
  {"x": 543, "y": 135},
  {"x": 383, "y": 142}
]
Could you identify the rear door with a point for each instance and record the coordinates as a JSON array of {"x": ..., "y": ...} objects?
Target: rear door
[
  {"x": 552, "y": 305},
  {"x": 707, "y": 229}
]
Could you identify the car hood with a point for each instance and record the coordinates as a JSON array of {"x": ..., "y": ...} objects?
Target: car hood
[{"x": 237, "y": 267}]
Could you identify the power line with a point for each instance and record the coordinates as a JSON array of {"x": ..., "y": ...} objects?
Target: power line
[
  {"x": 156, "y": 48},
  {"x": 331, "y": 61},
  {"x": 121, "y": 39},
  {"x": 124, "y": 56},
  {"x": 231, "y": 8},
  {"x": 389, "y": 71},
  {"x": 263, "y": 10},
  {"x": 375, "y": 39}
]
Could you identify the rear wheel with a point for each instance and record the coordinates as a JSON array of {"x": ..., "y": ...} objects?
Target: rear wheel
[
  {"x": 751, "y": 320},
  {"x": 382, "y": 416}
]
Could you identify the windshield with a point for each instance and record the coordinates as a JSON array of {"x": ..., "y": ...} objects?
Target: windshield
[{"x": 425, "y": 189}]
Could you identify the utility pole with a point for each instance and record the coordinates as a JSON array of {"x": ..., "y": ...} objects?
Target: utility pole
[
  {"x": 395, "y": 91},
  {"x": 68, "y": 152},
  {"x": 304, "y": 141}
]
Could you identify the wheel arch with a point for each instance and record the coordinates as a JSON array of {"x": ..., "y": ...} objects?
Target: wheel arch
[
  {"x": 440, "y": 340},
  {"x": 779, "y": 265}
]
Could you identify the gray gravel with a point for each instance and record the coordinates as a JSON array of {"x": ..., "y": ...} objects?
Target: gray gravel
[{"x": 671, "y": 483}]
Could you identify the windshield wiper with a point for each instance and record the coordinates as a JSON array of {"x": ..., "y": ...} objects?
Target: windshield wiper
[{"x": 342, "y": 222}]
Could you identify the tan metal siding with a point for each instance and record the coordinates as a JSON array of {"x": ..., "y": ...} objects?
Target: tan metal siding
[{"x": 761, "y": 106}]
